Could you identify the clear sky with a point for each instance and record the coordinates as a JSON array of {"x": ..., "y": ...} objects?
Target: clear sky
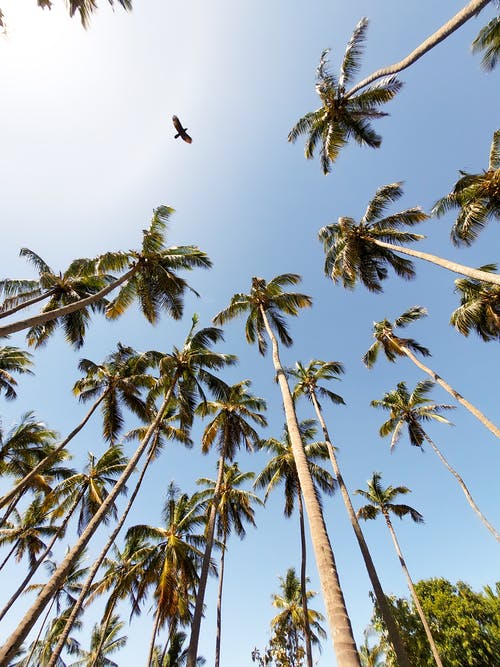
[{"x": 87, "y": 152}]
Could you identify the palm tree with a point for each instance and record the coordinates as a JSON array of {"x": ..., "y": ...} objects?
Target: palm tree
[
  {"x": 476, "y": 196},
  {"x": 479, "y": 308},
  {"x": 172, "y": 562},
  {"x": 308, "y": 384},
  {"x": 266, "y": 304},
  {"x": 103, "y": 642},
  {"x": 380, "y": 501},
  {"x": 361, "y": 251},
  {"x": 12, "y": 360},
  {"x": 371, "y": 656},
  {"x": 150, "y": 278},
  {"x": 190, "y": 368},
  {"x": 340, "y": 118},
  {"x": 230, "y": 428},
  {"x": 173, "y": 654},
  {"x": 233, "y": 508},
  {"x": 393, "y": 347},
  {"x": 410, "y": 409},
  {"x": 281, "y": 469},
  {"x": 469, "y": 11},
  {"x": 488, "y": 41}
]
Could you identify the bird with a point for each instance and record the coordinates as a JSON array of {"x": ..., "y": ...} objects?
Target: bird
[{"x": 181, "y": 131}]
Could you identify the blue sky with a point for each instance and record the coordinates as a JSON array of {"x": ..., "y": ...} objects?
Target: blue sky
[{"x": 88, "y": 153}]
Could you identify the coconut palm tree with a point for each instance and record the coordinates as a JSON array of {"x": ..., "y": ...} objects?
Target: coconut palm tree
[
  {"x": 410, "y": 410},
  {"x": 393, "y": 347},
  {"x": 185, "y": 370},
  {"x": 265, "y": 305},
  {"x": 103, "y": 642},
  {"x": 233, "y": 509},
  {"x": 477, "y": 198},
  {"x": 360, "y": 252},
  {"x": 479, "y": 308},
  {"x": 281, "y": 470},
  {"x": 488, "y": 42},
  {"x": 13, "y": 360},
  {"x": 230, "y": 428},
  {"x": 380, "y": 501},
  {"x": 150, "y": 278},
  {"x": 309, "y": 381},
  {"x": 340, "y": 118}
]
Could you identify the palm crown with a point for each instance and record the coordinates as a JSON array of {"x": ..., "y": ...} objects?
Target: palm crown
[{"x": 479, "y": 308}]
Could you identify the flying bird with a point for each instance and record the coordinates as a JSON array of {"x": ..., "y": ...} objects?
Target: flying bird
[{"x": 181, "y": 131}]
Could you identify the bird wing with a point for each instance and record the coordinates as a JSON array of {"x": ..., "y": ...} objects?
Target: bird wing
[
  {"x": 177, "y": 124},
  {"x": 186, "y": 137}
]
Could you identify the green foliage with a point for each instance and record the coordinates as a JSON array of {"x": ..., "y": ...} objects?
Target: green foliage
[{"x": 465, "y": 624}]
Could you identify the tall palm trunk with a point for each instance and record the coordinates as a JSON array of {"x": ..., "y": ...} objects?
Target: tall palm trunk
[
  {"x": 219, "y": 602},
  {"x": 153, "y": 637},
  {"x": 13, "y": 643},
  {"x": 41, "y": 318},
  {"x": 41, "y": 558},
  {"x": 471, "y": 408},
  {"x": 16, "y": 544},
  {"x": 93, "y": 571},
  {"x": 39, "y": 633},
  {"x": 413, "y": 592},
  {"x": 475, "y": 274},
  {"x": 303, "y": 587},
  {"x": 48, "y": 460},
  {"x": 192, "y": 652},
  {"x": 464, "y": 488},
  {"x": 447, "y": 29},
  {"x": 339, "y": 622},
  {"x": 388, "y": 618}
]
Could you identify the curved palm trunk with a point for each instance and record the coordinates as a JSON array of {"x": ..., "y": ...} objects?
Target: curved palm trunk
[
  {"x": 303, "y": 589},
  {"x": 475, "y": 274},
  {"x": 464, "y": 488},
  {"x": 192, "y": 652},
  {"x": 219, "y": 602},
  {"x": 447, "y": 29},
  {"x": 385, "y": 610},
  {"x": 41, "y": 558},
  {"x": 16, "y": 544},
  {"x": 153, "y": 637},
  {"x": 41, "y": 318},
  {"x": 13, "y": 643},
  {"x": 92, "y": 573},
  {"x": 26, "y": 304},
  {"x": 48, "y": 460},
  {"x": 339, "y": 622},
  {"x": 477, "y": 413},
  {"x": 413, "y": 592}
]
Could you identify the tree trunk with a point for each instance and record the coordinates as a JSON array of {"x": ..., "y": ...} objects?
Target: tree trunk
[
  {"x": 447, "y": 29},
  {"x": 413, "y": 592},
  {"x": 219, "y": 602},
  {"x": 385, "y": 610},
  {"x": 464, "y": 488},
  {"x": 303, "y": 586},
  {"x": 469, "y": 272},
  {"x": 93, "y": 571},
  {"x": 192, "y": 652},
  {"x": 13, "y": 643},
  {"x": 477, "y": 413},
  {"x": 48, "y": 460},
  {"x": 41, "y": 318},
  {"x": 16, "y": 543},
  {"x": 339, "y": 622},
  {"x": 153, "y": 637},
  {"x": 37, "y": 638}
]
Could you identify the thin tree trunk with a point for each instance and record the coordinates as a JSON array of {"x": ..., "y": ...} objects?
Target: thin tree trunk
[
  {"x": 10, "y": 508},
  {"x": 40, "y": 559},
  {"x": 94, "y": 569},
  {"x": 192, "y": 652},
  {"x": 303, "y": 586},
  {"x": 26, "y": 304},
  {"x": 219, "y": 602},
  {"x": 475, "y": 274},
  {"x": 13, "y": 643},
  {"x": 41, "y": 318},
  {"x": 37, "y": 638},
  {"x": 385, "y": 610},
  {"x": 468, "y": 12},
  {"x": 464, "y": 488},
  {"x": 16, "y": 543},
  {"x": 413, "y": 592},
  {"x": 48, "y": 460},
  {"x": 477, "y": 413},
  {"x": 153, "y": 637},
  {"x": 339, "y": 622}
]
